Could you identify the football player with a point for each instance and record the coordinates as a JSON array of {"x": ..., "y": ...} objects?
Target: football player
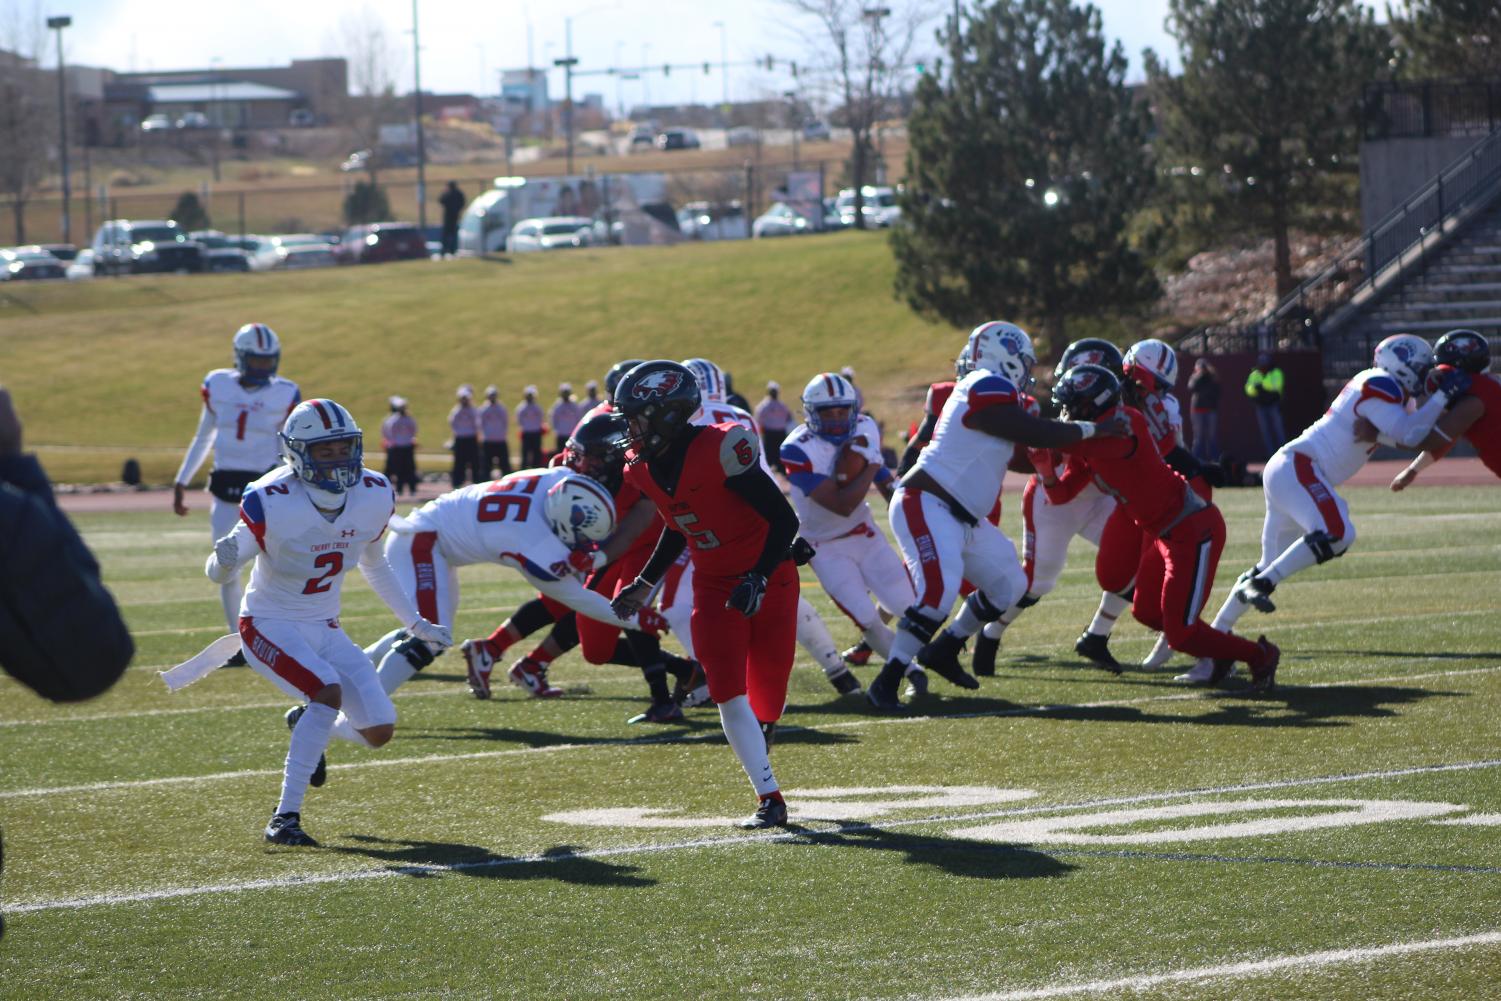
[
  {"x": 243, "y": 411},
  {"x": 718, "y": 502},
  {"x": 934, "y": 516},
  {"x": 1307, "y": 522},
  {"x": 1187, "y": 532},
  {"x": 305, "y": 524},
  {"x": 1476, "y": 416},
  {"x": 852, "y": 558}
]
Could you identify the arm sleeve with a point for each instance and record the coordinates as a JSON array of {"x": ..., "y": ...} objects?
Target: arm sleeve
[
  {"x": 1074, "y": 478},
  {"x": 247, "y": 546},
  {"x": 382, "y": 579},
  {"x": 589, "y": 604},
  {"x": 761, "y": 492},
  {"x": 60, "y": 632},
  {"x": 203, "y": 440},
  {"x": 1101, "y": 448},
  {"x": 1406, "y": 429},
  {"x": 1183, "y": 462},
  {"x": 670, "y": 545}
]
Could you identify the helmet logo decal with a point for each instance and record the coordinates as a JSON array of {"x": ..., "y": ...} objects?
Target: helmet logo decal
[{"x": 656, "y": 384}]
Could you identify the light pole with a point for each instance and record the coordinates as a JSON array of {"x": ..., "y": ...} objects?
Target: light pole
[
  {"x": 646, "y": 76},
  {"x": 568, "y": 62},
  {"x": 421, "y": 143},
  {"x": 216, "y": 117},
  {"x": 59, "y": 23},
  {"x": 619, "y": 81},
  {"x": 724, "y": 63},
  {"x": 797, "y": 124}
]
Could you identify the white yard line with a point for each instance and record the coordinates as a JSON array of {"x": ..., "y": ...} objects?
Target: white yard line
[
  {"x": 288, "y": 882},
  {"x": 713, "y": 735},
  {"x": 1249, "y": 968}
]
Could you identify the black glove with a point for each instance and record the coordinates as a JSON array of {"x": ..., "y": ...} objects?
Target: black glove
[
  {"x": 746, "y": 598},
  {"x": 801, "y": 551},
  {"x": 631, "y": 598},
  {"x": 1454, "y": 384},
  {"x": 1214, "y": 474}
]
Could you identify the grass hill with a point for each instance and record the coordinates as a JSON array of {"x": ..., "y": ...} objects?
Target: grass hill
[{"x": 109, "y": 369}]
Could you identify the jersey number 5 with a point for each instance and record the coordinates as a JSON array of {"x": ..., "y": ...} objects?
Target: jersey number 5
[
  {"x": 317, "y": 585},
  {"x": 703, "y": 538}
]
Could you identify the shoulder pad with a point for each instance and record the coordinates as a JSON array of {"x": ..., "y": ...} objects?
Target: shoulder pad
[
  {"x": 991, "y": 389},
  {"x": 1383, "y": 387},
  {"x": 1030, "y": 404},
  {"x": 738, "y": 450},
  {"x": 795, "y": 460}
]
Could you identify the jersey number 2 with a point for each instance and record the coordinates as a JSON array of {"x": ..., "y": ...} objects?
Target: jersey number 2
[{"x": 317, "y": 585}]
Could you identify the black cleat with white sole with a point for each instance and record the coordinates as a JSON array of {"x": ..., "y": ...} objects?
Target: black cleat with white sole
[
  {"x": 286, "y": 829},
  {"x": 770, "y": 812},
  {"x": 1096, "y": 648},
  {"x": 941, "y": 656}
]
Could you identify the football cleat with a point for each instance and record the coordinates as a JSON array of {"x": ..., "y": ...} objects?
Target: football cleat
[
  {"x": 881, "y": 693},
  {"x": 1207, "y": 672},
  {"x": 286, "y": 829},
  {"x": 532, "y": 676},
  {"x": 941, "y": 656},
  {"x": 845, "y": 683},
  {"x": 480, "y": 663},
  {"x": 770, "y": 812},
  {"x": 1160, "y": 655},
  {"x": 320, "y": 773},
  {"x": 1264, "y": 675},
  {"x": 693, "y": 692},
  {"x": 1255, "y": 591},
  {"x": 660, "y": 712},
  {"x": 857, "y": 655},
  {"x": 1094, "y": 647},
  {"x": 917, "y": 683},
  {"x": 236, "y": 659},
  {"x": 985, "y": 652}
]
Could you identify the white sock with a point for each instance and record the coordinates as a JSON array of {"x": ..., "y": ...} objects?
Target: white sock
[
  {"x": 993, "y": 630},
  {"x": 1011, "y": 614},
  {"x": 813, "y": 636},
  {"x": 904, "y": 647},
  {"x": 230, "y": 593},
  {"x": 879, "y": 637},
  {"x": 1111, "y": 607},
  {"x": 394, "y": 670},
  {"x": 966, "y": 623},
  {"x": 1294, "y": 558},
  {"x": 377, "y": 651},
  {"x": 309, "y": 740},
  {"x": 344, "y": 730},
  {"x": 743, "y": 731},
  {"x": 1229, "y": 613}
]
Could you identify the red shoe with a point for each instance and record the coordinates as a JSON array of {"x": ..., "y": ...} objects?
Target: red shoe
[
  {"x": 532, "y": 676},
  {"x": 1264, "y": 675},
  {"x": 857, "y": 655},
  {"x": 479, "y": 662}
]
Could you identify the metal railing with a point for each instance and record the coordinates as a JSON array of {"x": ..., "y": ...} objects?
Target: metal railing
[
  {"x": 1430, "y": 108},
  {"x": 1401, "y": 242}
]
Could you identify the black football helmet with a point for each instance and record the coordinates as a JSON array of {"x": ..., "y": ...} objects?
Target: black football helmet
[
  {"x": 616, "y": 373},
  {"x": 597, "y": 449},
  {"x": 1091, "y": 351},
  {"x": 658, "y": 399},
  {"x": 1087, "y": 391},
  {"x": 1465, "y": 350}
]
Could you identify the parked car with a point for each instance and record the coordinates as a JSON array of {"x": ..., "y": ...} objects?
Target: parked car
[
  {"x": 379, "y": 242},
  {"x": 29, "y": 264},
  {"x": 642, "y": 139},
  {"x": 62, "y": 251},
  {"x": 782, "y": 220},
  {"x": 271, "y": 251},
  {"x": 138, "y": 246},
  {"x": 561, "y": 232},
  {"x": 677, "y": 139},
  {"x": 309, "y": 255},
  {"x": 82, "y": 266},
  {"x": 713, "y": 221},
  {"x": 879, "y": 208},
  {"x": 220, "y": 253},
  {"x": 364, "y": 159},
  {"x": 156, "y": 123},
  {"x": 741, "y": 135},
  {"x": 816, "y": 131},
  {"x": 193, "y": 120}
]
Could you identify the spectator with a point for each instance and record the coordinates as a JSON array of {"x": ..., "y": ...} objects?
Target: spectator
[
  {"x": 591, "y": 395},
  {"x": 494, "y": 426},
  {"x": 60, "y": 632},
  {"x": 463, "y": 423},
  {"x": 452, "y": 200},
  {"x": 529, "y": 422},
  {"x": 733, "y": 398},
  {"x": 773, "y": 416},
  {"x": 565, "y": 414},
  {"x": 398, "y": 435},
  {"x": 1265, "y": 386},
  {"x": 1204, "y": 410}
]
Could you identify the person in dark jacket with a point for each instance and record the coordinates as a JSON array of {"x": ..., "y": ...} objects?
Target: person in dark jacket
[
  {"x": 452, "y": 200},
  {"x": 1204, "y": 411}
]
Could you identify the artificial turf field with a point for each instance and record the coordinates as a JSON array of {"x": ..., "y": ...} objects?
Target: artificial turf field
[{"x": 1059, "y": 833}]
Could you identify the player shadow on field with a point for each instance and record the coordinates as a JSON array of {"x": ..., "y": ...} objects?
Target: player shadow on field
[
  {"x": 955, "y": 856},
  {"x": 696, "y": 727},
  {"x": 1484, "y": 658},
  {"x": 561, "y": 862},
  {"x": 1283, "y": 707}
]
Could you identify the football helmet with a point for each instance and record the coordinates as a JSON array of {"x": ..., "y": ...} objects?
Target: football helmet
[
  {"x": 317, "y": 422},
  {"x": 257, "y": 353},
  {"x": 712, "y": 385},
  {"x": 1087, "y": 391},
  {"x": 580, "y": 511},
  {"x": 1406, "y": 358},
  {"x": 597, "y": 449},
  {"x": 658, "y": 399},
  {"x": 616, "y": 373},
  {"x": 821, "y": 397},
  {"x": 1465, "y": 350},
  {"x": 1152, "y": 364},
  {"x": 1090, "y": 351},
  {"x": 1002, "y": 348}
]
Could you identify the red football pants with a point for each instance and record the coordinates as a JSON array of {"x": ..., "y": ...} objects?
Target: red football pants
[
  {"x": 597, "y": 639},
  {"x": 1174, "y": 581},
  {"x": 1124, "y": 546},
  {"x": 750, "y": 656}
]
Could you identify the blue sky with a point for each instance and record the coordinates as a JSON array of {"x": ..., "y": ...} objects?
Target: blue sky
[{"x": 464, "y": 43}]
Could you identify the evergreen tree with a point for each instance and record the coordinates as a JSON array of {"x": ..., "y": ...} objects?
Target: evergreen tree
[
  {"x": 1450, "y": 39},
  {"x": 1021, "y": 176},
  {"x": 366, "y": 202},
  {"x": 189, "y": 214}
]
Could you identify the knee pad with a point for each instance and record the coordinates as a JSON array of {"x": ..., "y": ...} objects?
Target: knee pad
[
  {"x": 1028, "y": 600},
  {"x": 982, "y": 608},
  {"x": 417, "y": 653},
  {"x": 918, "y": 624},
  {"x": 1325, "y": 546}
]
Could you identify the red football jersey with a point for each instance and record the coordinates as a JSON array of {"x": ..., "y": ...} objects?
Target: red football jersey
[
  {"x": 1485, "y": 433},
  {"x": 640, "y": 550},
  {"x": 725, "y": 534},
  {"x": 1151, "y": 492}
]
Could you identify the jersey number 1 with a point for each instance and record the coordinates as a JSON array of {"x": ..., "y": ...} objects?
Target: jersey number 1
[
  {"x": 240, "y": 425},
  {"x": 317, "y": 585}
]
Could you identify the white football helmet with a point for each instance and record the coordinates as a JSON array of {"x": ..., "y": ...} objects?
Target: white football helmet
[
  {"x": 580, "y": 511},
  {"x": 828, "y": 392},
  {"x": 1155, "y": 358},
  {"x": 710, "y": 378},
  {"x": 314, "y": 422},
  {"x": 1002, "y": 348},
  {"x": 1406, "y": 358},
  {"x": 257, "y": 353}
]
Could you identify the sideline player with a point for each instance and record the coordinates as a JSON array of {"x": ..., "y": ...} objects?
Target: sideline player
[
  {"x": 305, "y": 523},
  {"x": 243, "y": 411},
  {"x": 715, "y": 497},
  {"x": 1476, "y": 416},
  {"x": 852, "y": 558},
  {"x": 1307, "y": 522}
]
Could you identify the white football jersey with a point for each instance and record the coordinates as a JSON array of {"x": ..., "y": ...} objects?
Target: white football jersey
[
  {"x": 303, "y": 556},
  {"x": 727, "y": 413},
  {"x": 971, "y": 464},
  {"x": 499, "y": 522},
  {"x": 247, "y": 420},
  {"x": 1330, "y": 441},
  {"x": 805, "y": 453}
]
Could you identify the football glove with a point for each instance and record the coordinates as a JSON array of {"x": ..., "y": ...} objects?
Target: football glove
[
  {"x": 747, "y": 596},
  {"x": 227, "y": 552},
  {"x": 586, "y": 561},
  {"x": 651, "y": 622},
  {"x": 631, "y": 599},
  {"x": 801, "y": 551},
  {"x": 1454, "y": 384},
  {"x": 431, "y": 633}
]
